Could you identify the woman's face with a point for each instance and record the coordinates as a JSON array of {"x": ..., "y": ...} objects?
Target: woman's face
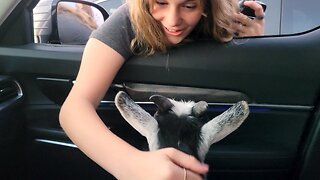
[{"x": 177, "y": 17}]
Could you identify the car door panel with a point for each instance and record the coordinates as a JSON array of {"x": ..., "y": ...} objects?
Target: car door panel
[
  {"x": 309, "y": 158},
  {"x": 277, "y": 75},
  {"x": 11, "y": 128}
]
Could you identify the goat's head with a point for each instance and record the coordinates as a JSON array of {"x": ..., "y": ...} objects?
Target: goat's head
[{"x": 180, "y": 124}]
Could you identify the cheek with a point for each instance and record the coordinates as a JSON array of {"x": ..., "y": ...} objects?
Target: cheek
[
  {"x": 157, "y": 14},
  {"x": 192, "y": 20}
]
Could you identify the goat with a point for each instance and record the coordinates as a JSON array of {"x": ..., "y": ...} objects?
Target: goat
[{"x": 179, "y": 124}]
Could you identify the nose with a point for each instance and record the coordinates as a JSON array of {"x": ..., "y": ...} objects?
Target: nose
[{"x": 173, "y": 17}]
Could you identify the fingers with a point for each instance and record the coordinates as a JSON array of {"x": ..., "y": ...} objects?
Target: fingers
[
  {"x": 188, "y": 175},
  {"x": 258, "y": 9},
  {"x": 249, "y": 26},
  {"x": 185, "y": 174},
  {"x": 187, "y": 161},
  {"x": 242, "y": 25},
  {"x": 243, "y": 19}
]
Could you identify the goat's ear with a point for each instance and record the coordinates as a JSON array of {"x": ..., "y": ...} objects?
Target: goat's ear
[
  {"x": 222, "y": 125},
  {"x": 137, "y": 117},
  {"x": 163, "y": 103}
]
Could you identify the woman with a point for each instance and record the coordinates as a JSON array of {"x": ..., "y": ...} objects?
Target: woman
[{"x": 144, "y": 27}]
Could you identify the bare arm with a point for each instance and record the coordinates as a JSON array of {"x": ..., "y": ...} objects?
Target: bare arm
[
  {"x": 80, "y": 121},
  {"x": 78, "y": 116}
]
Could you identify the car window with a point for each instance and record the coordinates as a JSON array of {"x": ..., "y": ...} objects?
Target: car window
[
  {"x": 42, "y": 21},
  {"x": 6, "y": 7},
  {"x": 110, "y": 5},
  {"x": 298, "y": 16},
  {"x": 272, "y": 17},
  {"x": 281, "y": 16}
]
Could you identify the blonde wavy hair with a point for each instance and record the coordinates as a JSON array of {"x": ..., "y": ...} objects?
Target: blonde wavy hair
[{"x": 149, "y": 36}]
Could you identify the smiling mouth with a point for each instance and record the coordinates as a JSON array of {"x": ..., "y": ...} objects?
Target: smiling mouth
[{"x": 173, "y": 31}]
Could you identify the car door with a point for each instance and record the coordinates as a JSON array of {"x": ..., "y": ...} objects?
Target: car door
[{"x": 277, "y": 75}]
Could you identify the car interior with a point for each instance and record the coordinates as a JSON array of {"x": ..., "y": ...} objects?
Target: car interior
[{"x": 278, "y": 75}]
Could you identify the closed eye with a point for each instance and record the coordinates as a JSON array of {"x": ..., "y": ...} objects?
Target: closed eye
[
  {"x": 161, "y": 3},
  {"x": 190, "y": 5}
]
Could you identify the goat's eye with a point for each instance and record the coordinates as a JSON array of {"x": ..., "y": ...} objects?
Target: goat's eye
[
  {"x": 170, "y": 111},
  {"x": 190, "y": 117}
]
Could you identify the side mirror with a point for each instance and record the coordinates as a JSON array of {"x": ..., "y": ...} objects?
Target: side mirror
[{"x": 76, "y": 20}]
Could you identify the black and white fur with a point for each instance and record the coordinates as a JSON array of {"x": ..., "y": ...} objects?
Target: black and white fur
[{"x": 180, "y": 124}]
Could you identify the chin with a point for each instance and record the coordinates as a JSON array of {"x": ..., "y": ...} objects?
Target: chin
[{"x": 174, "y": 42}]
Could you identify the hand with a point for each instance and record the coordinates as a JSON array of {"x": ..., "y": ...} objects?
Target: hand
[
  {"x": 163, "y": 164},
  {"x": 245, "y": 26}
]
